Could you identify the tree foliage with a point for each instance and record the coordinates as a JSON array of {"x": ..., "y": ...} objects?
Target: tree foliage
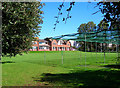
[
  {"x": 102, "y": 25},
  {"x": 19, "y": 26},
  {"x": 87, "y": 27},
  {"x": 60, "y": 13},
  {"x": 111, "y": 12}
]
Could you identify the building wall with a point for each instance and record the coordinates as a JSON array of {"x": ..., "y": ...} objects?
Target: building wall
[
  {"x": 59, "y": 46},
  {"x": 54, "y": 46}
]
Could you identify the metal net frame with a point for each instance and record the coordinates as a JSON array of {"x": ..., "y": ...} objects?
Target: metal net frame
[{"x": 103, "y": 36}]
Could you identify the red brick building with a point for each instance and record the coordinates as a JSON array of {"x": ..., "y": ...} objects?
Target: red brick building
[{"x": 50, "y": 45}]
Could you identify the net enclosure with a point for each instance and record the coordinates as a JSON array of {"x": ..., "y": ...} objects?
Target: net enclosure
[{"x": 103, "y": 36}]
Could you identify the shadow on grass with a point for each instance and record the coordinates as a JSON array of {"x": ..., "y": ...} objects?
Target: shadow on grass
[
  {"x": 84, "y": 79},
  {"x": 7, "y": 62},
  {"x": 113, "y": 66}
]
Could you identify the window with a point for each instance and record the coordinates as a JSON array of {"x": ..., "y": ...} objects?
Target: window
[
  {"x": 34, "y": 42},
  {"x": 53, "y": 48},
  {"x": 41, "y": 47},
  {"x": 63, "y": 48},
  {"x": 40, "y": 42},
  {"x": 67, "y": 48},
  {"x": 60, "y": 42},
  {"x": 68, "y": 44},
  {"x": 46, "y": 47},
  {"x": 54, "y": 43},
  {"x": 34, "y": 47}
]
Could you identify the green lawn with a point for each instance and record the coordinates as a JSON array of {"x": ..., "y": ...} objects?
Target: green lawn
[{"x": 46, "y": 69}]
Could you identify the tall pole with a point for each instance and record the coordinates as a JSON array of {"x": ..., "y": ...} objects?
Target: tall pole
[
  {"x": 117, "y": 51},
  {"x": 80, "y": 54},
  {"x": 62, "y": 55},
  {"x": 101, "y": 47},
  {"x": 85, "y": 50},
  {"x": 104, "y": 53},
  {"x": 104, "y": 45},
  {"x": 91, "y": 48},
  {"x": 44, "y": 56},
  {"x": 109, "y": 47},
  {"x": 96, "y": 51},
  {"x": 101, "y": 50},
  {"x": 0, "y": 45}
]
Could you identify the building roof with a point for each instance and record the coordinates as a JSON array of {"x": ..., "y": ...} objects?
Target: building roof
[
  {"x": 42, "y": 40},
  {"x": 36, "y": 37},
  {"x": 43, "y": 45}
]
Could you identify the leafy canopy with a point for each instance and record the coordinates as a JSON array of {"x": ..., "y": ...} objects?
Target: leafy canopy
[
  {"x": 87, "y": 27},
  {"x": 19, "y": 26}
]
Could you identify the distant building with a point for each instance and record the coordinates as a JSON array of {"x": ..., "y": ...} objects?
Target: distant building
[
  {"x": 43, "y": 45},
  {"x": 74, "y": 44},
  {"x": 39, "y": 45},
  {"x": 50, "y": 45},
  {"x": 59, "y": 45}
]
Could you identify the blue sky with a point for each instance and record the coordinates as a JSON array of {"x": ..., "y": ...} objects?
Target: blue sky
[{"x": 81, "y": 13}]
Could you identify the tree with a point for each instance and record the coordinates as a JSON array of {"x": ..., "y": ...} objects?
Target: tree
[
  {"x": 82, "y": 28},
  {"x": 102, "y": 25},
  {"x": 111, "y": 12},
  {"x": 86, "y": 27},
  {"x": 19, "y": 26}
]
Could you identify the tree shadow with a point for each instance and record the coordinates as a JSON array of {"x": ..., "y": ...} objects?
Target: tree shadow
[
  {"x": 84, "y": 79},
  {"x": 4, "y": 62},
  {"x": 113, "y": 66}
]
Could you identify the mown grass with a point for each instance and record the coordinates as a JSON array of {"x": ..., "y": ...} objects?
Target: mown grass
[{"x": 45, "y": 68}]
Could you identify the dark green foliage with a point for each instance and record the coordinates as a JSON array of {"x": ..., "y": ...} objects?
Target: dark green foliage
[
  {"x": 87, "y": 27},
  {"x": 111, "y": 11},
  {"x": 102, "y": 25},
  {"x": 19, "y": 25},
  {"x": 60, "y": 13}
]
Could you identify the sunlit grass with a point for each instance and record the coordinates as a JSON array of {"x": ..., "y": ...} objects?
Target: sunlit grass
[{"x": 26, "y": 69}]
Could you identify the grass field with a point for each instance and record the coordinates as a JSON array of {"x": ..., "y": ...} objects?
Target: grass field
[{"x": 49, "y": 69}]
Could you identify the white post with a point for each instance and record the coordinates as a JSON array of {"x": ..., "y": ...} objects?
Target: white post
[
  {"x": 101, "y": 47},
  {"x": 96, "y": 51},
  {"x": 85, "y": 50},
  {"x": 109, "y": 44},
  {"x": 91, "y": 48},
  {"x": 104, "y": 52},
  {"x": 1, "y": 46},
  {"x": 80, "y": 52},
  {"x": 62, "y": 55},
  {"x": 44, "y": 56}
]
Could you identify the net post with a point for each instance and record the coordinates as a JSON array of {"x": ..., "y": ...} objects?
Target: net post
[
  {"x": 104, "y": 44},
  {"x": 80, "y": 53},
  {"x": 44, "y": 56},
  {"x": 96, "y": 51},
  {"x": 0, "y": 45},
  {"x": 101, "y": 48},
  {"x": 62, "y": 55},
  {"x": 85, "y": 50},
  {"x": 91, "y": 48}
]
